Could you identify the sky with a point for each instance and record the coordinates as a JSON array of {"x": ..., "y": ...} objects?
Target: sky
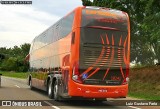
[{"x": 19, "y": 24}]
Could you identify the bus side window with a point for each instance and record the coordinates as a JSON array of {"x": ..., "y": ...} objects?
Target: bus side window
[
  {"x": 73, "y": 37},
  {"x": 57, "y": 32}
]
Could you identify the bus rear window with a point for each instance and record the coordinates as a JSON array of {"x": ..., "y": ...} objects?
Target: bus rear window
[{"x": 104, "y": 18}]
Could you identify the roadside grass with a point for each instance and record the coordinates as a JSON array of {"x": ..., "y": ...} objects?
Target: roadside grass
[
  {"x": 145, "y": 83},
  {"x": 143, "y": 95},
  {"x": 22, "y": 75},
  {"x": 145, "y": 91}
]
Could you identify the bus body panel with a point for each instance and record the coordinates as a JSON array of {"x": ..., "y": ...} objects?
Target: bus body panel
[
  {"x": 59, "y": 56},
  {"x": 92, "y": 91}
]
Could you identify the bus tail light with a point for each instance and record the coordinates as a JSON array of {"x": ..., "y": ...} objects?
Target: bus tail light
[
  {"x": 126, "y": 79},
  {"x": 76, "y": 76}
]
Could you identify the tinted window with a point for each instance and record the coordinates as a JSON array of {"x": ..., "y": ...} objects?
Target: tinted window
[
  {"x": 95, "y": 36},
  {"x": 50, "y": 36},
  {"x": 66, "y": 25},
  {"x": 104, "y": 18},
  {"x": 59, "y": 30}
]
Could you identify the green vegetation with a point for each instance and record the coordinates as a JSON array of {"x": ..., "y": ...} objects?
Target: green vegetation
[
  {"x": 148, "y": 93},
  {"x": 13, "y": 59},
  {"x": 22, "y": 75},
  {"x": 144, "y": 83}
]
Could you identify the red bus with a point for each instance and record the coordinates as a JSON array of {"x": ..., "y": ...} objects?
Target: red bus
[{"x": 85, "y": 54}]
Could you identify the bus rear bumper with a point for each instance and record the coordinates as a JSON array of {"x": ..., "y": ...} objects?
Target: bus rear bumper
[{"x": 93, "y": 91}]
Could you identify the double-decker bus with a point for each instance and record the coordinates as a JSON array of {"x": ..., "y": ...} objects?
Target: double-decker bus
[{"x": 85, "y": 54}]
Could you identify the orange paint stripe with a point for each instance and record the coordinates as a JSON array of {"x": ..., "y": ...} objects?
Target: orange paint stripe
[
  {"x": 128, "y": 56},
  {"x": 122, "y": 72},
  {"x": 112, "y": 56},
  {"x": 106, "y": 73},
  {"x": 112, "y": 40},
  {"x": 108, "y": 50},
  {"x": 119, "y": 55},
  {"x": 107, "y": 56},
  {"x": 120, "y": 41},
  {"x": 128, "y": 52},
  {"x": 101, "y": 54},
  {"x": 125, "y": 42},
  {"x": 99, "y": 58},
  {"x": 125, "y": 60},
  {"x": 93, "y": 73},
  {"x": 102, "y": 40},
  {"x": 86, "y": 71},
  {"x": 107, "y": 39}
]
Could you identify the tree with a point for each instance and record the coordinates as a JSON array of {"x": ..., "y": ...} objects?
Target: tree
[
  {"x": 25, "y": 49},
  {"x": 152, "y": 26},
  {"x": 10, "y": 64},
  {"x": 12, "y": 59},
  {"x": 86, "y": 2}
]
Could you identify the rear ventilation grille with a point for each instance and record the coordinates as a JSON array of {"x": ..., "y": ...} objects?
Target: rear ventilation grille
[{"x": 103, "y": 56}]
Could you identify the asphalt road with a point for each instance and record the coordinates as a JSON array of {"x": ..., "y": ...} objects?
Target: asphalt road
[{"x": 17, "y": 89}]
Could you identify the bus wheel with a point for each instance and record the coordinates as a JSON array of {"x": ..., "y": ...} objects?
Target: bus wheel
[
  {"x": 56, "y": 90},
  {"x": 50, "y": 89}
]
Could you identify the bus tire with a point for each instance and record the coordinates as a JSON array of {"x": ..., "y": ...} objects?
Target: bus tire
[
  {"x": 99, "y": 100},
  {"x": 57, "y": 97},
  {"x": 50, "y": 90}
]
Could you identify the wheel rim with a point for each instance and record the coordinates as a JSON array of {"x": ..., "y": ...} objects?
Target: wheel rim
[
  {"x": 55, "y": 90},
  {"x": 49, "y": 89}
]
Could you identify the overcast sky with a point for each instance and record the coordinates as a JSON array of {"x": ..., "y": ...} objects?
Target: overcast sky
[{"x": 21, "y": 23}]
